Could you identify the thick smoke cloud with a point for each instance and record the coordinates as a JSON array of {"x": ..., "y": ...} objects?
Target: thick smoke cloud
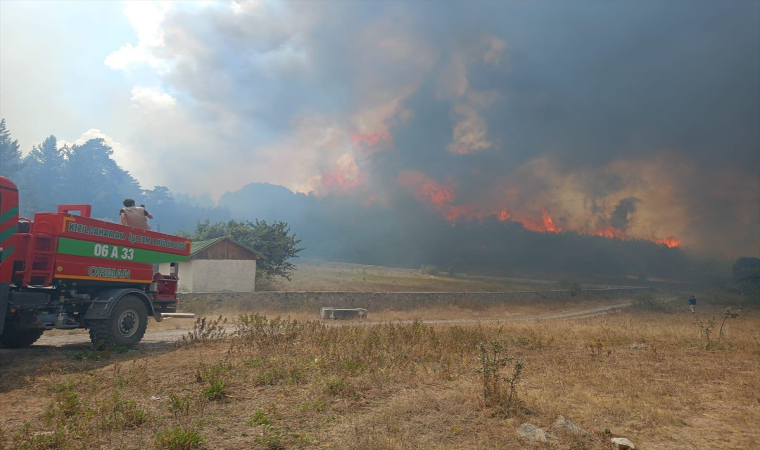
[{"x": 621, "y": 119}]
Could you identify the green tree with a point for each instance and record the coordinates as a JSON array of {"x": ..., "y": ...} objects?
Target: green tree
[
  {"x": 42, "y": 177},
  {"x": 93, "y": 177},
  {"x": 746, "y": 275},
  {"x": 273, "y": 240},
  {"x": 10, "y": 155},
  {"x": 46, "y": 162}
]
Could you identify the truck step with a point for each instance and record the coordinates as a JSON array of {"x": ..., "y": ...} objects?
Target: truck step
[{"x": 161, "y": 316}]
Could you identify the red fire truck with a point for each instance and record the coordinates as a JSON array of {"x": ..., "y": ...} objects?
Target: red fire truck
[{"x": 64, "y": 270}]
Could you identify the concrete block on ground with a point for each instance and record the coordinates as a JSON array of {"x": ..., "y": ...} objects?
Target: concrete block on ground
[{"x": 342, "y": 313}]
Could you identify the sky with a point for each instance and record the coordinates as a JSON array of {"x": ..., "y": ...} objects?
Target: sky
[{"x": 640, "y": 116}]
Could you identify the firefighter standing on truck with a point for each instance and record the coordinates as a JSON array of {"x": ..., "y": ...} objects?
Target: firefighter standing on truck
[{"x": 134, "y": 216}]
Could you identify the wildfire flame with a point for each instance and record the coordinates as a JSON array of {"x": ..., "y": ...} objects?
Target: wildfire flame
[
  {"x": 344, "y": 177},
  {"x": 337, "y": 180},
  {"x": 543, "y": 225},
  {"x": 427, "y": 189},
  {"x": 367, "y": 142},
  {"x": 669, "y": 242},
  {"x": 442, "y": 197},
  {"x": 609, "y": 232},
  {"x": 548, "y": 222}
]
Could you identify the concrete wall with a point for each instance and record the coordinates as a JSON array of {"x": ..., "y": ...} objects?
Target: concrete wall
[
  {"x": 378, "y": 301},
  {"x": 215, "y": 276}
]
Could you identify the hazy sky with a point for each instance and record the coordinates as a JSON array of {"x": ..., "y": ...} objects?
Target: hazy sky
[{"x": 586, "y": 109}]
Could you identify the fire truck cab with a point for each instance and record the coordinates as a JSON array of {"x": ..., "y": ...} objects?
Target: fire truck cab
[{"x": 64, "y": 270}]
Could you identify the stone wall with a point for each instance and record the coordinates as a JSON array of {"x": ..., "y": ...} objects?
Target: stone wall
[{"x": 380, "y": 301}]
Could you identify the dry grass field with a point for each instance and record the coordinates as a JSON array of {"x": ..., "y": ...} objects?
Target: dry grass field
[
  {"x": 315, "y": 275},
  {"x": 284, "y": 384}
]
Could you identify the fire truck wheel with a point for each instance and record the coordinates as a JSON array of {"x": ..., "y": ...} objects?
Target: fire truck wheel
[
  {"x": 19, "y": 339},
  {"x": 125, "y": 327}
]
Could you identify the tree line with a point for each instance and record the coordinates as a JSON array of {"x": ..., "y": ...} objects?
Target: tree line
[
  {"x": 338, "y": 227},
  {"x": 52, "y": 174}
]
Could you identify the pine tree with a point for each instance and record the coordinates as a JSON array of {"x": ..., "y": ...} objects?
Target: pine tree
[
  {"x": 10, "y": 155},
  {"x": 93, "y": 177},
  {"x": 43, "y": 173}
]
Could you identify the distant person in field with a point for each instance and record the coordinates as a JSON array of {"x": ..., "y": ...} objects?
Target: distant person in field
[
  {"x": 692, "y": 302},
  {"x": 134, "y": 216}
]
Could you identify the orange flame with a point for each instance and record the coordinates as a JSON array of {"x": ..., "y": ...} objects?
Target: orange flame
[
  {"x": 609, "y": 232},
  {"x": 548, "y": 222},
  {"x": 442, "y": 197},
  {"x": 545, "y": 225},
  {"x": 426, "y": 189},
  {"x": 439, "y": 195},
  {"x": 367, "y": 142},
  {"x": 669, "y": 242},
  {"x": 338, "y": 181}
]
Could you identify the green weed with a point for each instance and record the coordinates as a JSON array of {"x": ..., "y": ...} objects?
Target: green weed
[
  {"x": 498, "y": 390},
  {"x": 178, "y": 439},
  {"x": 260, "y": 417}
]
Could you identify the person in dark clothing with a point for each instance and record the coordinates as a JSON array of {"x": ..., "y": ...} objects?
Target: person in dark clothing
[
  {"x": 692, "y": 302},
  {"x": 134, "y": 216}
]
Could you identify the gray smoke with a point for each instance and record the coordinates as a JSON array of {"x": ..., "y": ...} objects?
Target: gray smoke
[
  {"x": 638, "y": 115},
  {"x": 624, "y": 209}
]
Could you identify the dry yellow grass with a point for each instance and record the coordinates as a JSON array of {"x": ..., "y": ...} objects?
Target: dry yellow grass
[
  {"x": 314, "y": 275},
  {"x": 398, "y": 386}
]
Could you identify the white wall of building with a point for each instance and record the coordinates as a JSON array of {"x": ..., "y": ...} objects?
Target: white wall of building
[{"x": 215, "y": 275}]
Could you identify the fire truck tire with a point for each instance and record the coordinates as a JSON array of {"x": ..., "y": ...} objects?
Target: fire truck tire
[
  {"x": 19, "y": 339},
  {"x": 125, "y": 326}
]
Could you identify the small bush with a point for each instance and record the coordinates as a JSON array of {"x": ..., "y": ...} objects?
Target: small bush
[
  {"x": 187, "y": 409},
  {"x": 65, "y": 406},
  {"x": 205, "y": 331},
  {"x": 705, "y": 330},
  {"x": 707, "y": 327},
  {"x": 216, "y": 390},
  {"x": 429, "y": 270},
  {"x": 178, "y": 439},
  {"x": 118, "y": 414},
  {"x": 271, "y": 438},
  {"x": 341, "y": 388},
  {"x": 498, "y": 390}
]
